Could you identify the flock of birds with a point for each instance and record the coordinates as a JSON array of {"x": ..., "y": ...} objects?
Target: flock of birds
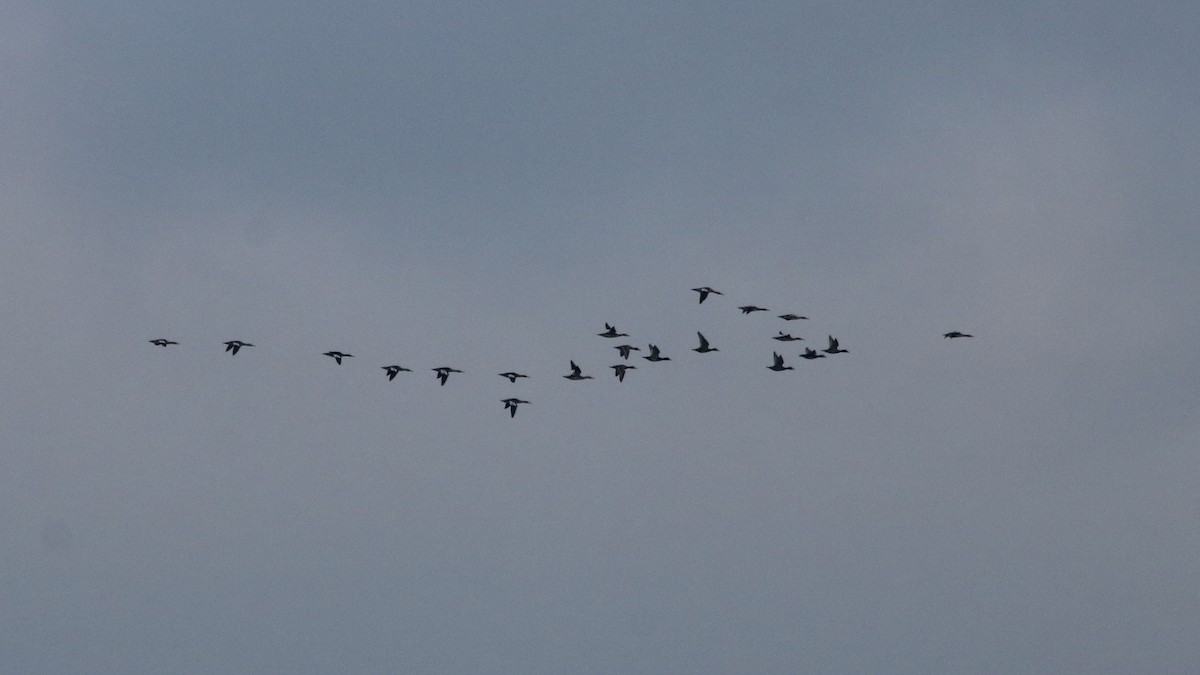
[{"x": 442, "y": 373}]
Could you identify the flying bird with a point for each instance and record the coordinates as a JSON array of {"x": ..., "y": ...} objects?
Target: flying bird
[
  {"x": 612, "y": 332},
  {"x": 619, "y": 371},
  {"x": 338, "y": 356},
  {"x": 791, "y": 317},
  {"x": 625, "y": 349},
  {"x": 786, "y": 337},
  {"x": 705, "y": 290},
  {"x": 746, "y": 309},
  {"x": 811, "y": 354},
  {"x": 654, "y": 356},
  {"x": 163, "y": 343},
  {"x": 443, "y": 373},
  {"x": 778, "y": 365},
  {"x": 392, "y": 371},
  {"x": 511, "y": 404},
  {"x": 704, "y": 348},
  {"x": 577, "y": 374},
  {"x": 951, "y": 334},
  {"x": 512, "y": 377},
  {"x": 235, "y": 345},
  {"x": 833, "y": 347}
]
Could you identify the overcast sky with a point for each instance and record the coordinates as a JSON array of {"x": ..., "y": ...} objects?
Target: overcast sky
[{"x": 484, "y": 185}]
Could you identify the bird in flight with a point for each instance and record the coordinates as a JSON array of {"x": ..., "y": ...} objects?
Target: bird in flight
[
  {"x": 833, "y": 347},
  {"x": 625, "y": 349},
  {"x": 392, "y": 371},
  {"x": 338, "y": 356},
  {"x": 704, "y": 348},
  {"x": 612, "y": 332},
  {"x": 512, "y": 377},
  {"x": 511, "y": 404},
  {"x": 746, "y": 309},
  {"x": 778, "y": 365},
  {"x": 791, "y": 317},
  {"x": 810, "y": 354},
  {"x": 443, "y": 373},
  {"x": 235, "y": 345},
  {"x": 951, "y": 334},
  {"x": 619, "y": 371},
  {"x": 705, "y": 290},
  {"x": 577, "y": 373},
  {"x": 786, "y": 337},
  {"x": 163, "y": 343},
  {"x": 654, "y": 355}
]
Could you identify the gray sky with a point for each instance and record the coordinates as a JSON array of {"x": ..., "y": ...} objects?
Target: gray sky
[{"x": 484, "y": 185}]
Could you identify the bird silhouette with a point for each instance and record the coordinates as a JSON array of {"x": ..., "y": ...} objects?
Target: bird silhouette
[
  {"x": 512, "y": 377},
  {"x": 443, "y": 373},
  {"x": 576, "y": 373},
  {"x": 625, "y": 349},
  {"x": 392, "y": 371},
  {"x": 746, "y": 309},
  {"x": 619, "y": 371},
  {"x": 234, "y": 345},
  {"x": 511, "y": 404},
  {"x": 833, "y": 347},
  {"x": 786, "y": 337},
  {"x": 705, "y": 290},
  {"x": 338, "y": 356},
  {"x": 791, "y": 317},
  {"x": 956, "y": 334},
  {"x": 163, "y": 343},
  {"x": 810, "y": 354},
  {"x": 778, "y": 365},
  {"x": 704, "y": 348},
  {"x": 612, "y": 332},
  {"x": 654, "y": 355}
]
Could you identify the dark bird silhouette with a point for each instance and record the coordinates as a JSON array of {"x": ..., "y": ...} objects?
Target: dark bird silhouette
[
  {"x": 625, "y": 349},
  {"x": 705, "y": 290},
  {"x": 235, "y": 345},
  {"x": 512, "y": 377},
  {"x": 511, "y": 404},
  {"x": 393, "y": 370},
  {"x": 619, "y": 371},
  {"x": 746, "y": 309},
  {"x": 163, "y": 343},
  {"x": 576, "y": 373},
  {"x": 338, "y": 356},
  {"x": 786, "y": 337},
  {"x": 810, "y": 354},
  {"x": 654, "y": 355},
  {"x": 612, "y": 332},
  {"x": 443, "y": 373},
  {"x": 791, "y": 317},
  {"x": 778, "y": 365},
  {"x": 704, "y": 348},
  {"x": 956, "y": 334},
  {"x": 833, "y": 347}
]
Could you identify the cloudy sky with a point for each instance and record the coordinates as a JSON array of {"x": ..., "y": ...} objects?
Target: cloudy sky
[{"x": 483, "y": 185}]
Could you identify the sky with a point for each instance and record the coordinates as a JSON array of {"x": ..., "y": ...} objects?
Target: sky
[{"x": 484, "y": 186}]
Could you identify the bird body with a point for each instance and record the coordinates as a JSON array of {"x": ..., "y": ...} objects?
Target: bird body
[
  {"x": 163, "y": 343},
  {"x": 443, "y": 373},
  {"x": 577, "y": 373},
  {"x": 512, "y": 377},
  {"x": 705, "y": 290},
  {"x": 810, "y": 354},
  {"x": 392, "y": 371},
  {"x": 956, "y": 334},
  {"x": 511, "y": 404},
  {"x": 704, "y": 348},
  {"x": 791, "y": 317},
  {"x": 778, "y": 365},
  {"x": 833, "y": 347},
  {"x": 619, "y": 371},
  {"x": 625, "y": 349},
  {"x": 234, "y": 345},
  {"x": 786, "y": 337},
  {"x": 655, "y": 356},
  {"x": 611, "y": 332},
  {"x": 746, "y": 309},
  {"x": 338, "y": 356}
]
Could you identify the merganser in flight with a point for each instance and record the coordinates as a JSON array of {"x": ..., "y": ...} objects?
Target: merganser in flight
[
  {"x": 393, "y": 370},
  {"x": 512, "y": 377},
  {"x": 833, "y": 347},
  {"x": 705, "y": 290},
  {"x": 612, "y": 332},
  {"x": 625, "y": 349},
  {"x": 235, "y": 345},
  {"x": 810, "y": 354},
  {"x": 746, "y": 309},
  {"x": 443, "y": 373},
  {"x": 163, "y": 343},
  {"x": 338, "y": 356},
  {"x": 576, "y": 373},
  {"x": 786, "y": 337},
  {"x": 619, "y": 371},
  {"x": 704, "y": 348},
  {"x": 654, "y": 356},
  {"x": 511, "y": 404},
  {"x": 791, "y": 317},
  {"x": 778, "y": 365},
  {"x": 951, "y": 334}
]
